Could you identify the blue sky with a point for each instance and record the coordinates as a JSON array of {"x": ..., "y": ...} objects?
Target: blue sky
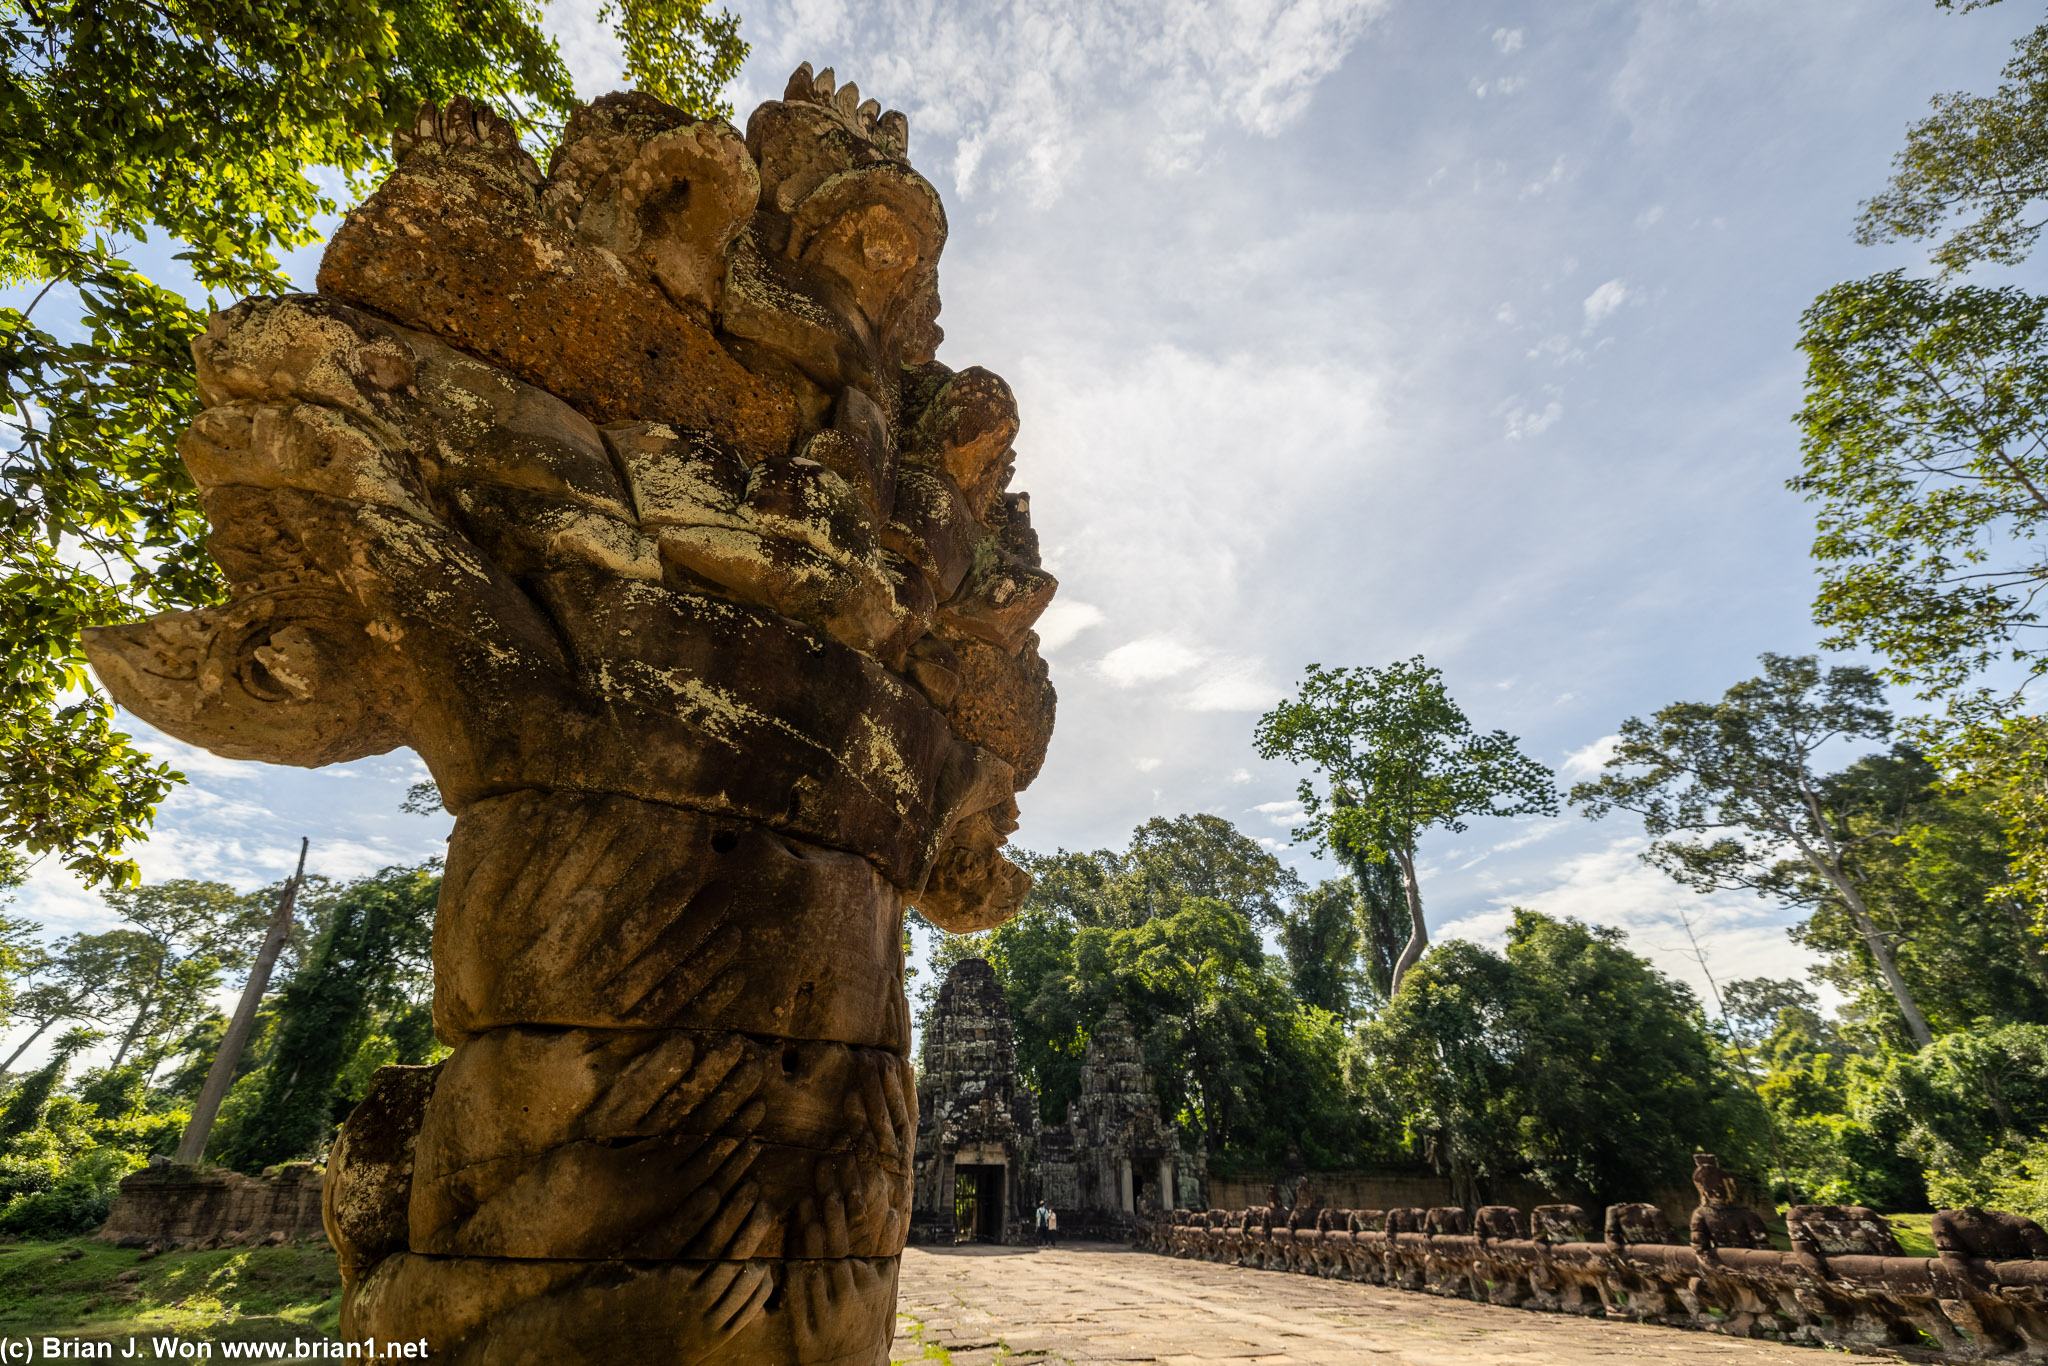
[{"x": 1344, "y": 332}]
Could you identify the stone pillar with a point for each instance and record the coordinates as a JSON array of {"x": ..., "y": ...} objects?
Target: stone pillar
[
  {"x": 1167, "y": 1197},
  {"x": 1129, "y": 1201},
  {"x": 631, "y": 495}
]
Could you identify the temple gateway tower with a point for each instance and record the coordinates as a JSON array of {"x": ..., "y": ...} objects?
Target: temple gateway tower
[
  {"x": 977, "y": 1124},
  {"x": 984, "y": 1159}
]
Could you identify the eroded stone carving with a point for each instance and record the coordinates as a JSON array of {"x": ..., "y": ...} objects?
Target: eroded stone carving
[
  {"x": 631, "y": 495},
  {"x": 1842, "y": 1285}
]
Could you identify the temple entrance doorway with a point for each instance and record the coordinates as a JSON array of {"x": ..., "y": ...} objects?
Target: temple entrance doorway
[{"x": 978, "y": 1203}]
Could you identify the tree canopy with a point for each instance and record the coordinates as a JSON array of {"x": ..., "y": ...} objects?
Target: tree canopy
[
  {"x": 1922, "y": 443},
  {"x": 1566, "y": 1060},
  {"x": 1976, "y": 168},
  {"x": 207, "y": 123},
  {"x": 1401, "y": 758},
  {"x": 1245, "y": 1047},
  {"x": 1731, "y": 795}
]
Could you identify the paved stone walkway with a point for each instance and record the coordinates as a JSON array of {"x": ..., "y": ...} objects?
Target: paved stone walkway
[{"x": 1103, "y": 1303}]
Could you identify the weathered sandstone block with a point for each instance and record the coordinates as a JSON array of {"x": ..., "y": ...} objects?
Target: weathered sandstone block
[{"x": 631, "y": 496}]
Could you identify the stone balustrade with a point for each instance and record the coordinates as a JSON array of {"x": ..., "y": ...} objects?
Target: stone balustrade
[{"x": 1844, "y": 1284}]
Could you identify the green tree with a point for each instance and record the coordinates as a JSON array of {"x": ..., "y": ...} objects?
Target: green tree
[
  {"x": 79, "y": 978},
  {"x": 182, "y": 936},
  {"x": 1982, "y": 159},
  {"x": 1238, "y": 1058},
  {"x": 202, "y": 121},
  {"x": 1383, "y": 920},
  {"x": 1921, "y": 440},
  {"x": 370, "y": 961},
  {"x": 1742, "y": 772},
  {"x": 1567, "y": 1060},
  {"x": 1205, "y": 856},
  {"x": 1320, "y": 937},
  {"x": 1169, "y": 860},
  {"x": 1921, "y": 437},
  {"x": 1968, "y": 1108},
  {"x": 1934, "y": 889},
  {"x": 1406, "y": 760},
  {"x": 24, "y": 1109}
]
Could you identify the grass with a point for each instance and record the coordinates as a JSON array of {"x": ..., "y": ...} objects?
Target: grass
[
  {"x": 1915, "y": 1232},
  {"x": 1916, "y": 1238},
  {"x": 86, "y": 1290}
]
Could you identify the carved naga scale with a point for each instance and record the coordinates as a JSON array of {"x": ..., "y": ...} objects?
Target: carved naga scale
[{"x": 630, "y": 495}]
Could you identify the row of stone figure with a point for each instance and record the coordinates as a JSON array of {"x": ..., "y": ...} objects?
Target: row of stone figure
[{"x": 1845, "y": 1284}]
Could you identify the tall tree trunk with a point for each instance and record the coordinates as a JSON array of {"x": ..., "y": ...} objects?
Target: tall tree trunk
[
  {"x": 15, "y": 1056},
  {"x": 141, "y": 1014},
  {"x": 1418, "y": 936},
  {"x": 192, "y": 1147},
  {"x": 1916, "y": 1023}
]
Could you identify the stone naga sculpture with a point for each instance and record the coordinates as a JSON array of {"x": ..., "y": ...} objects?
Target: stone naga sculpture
[{"x": 630, "y": 495}]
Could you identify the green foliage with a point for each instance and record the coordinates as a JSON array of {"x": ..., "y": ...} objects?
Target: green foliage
[
  {"x": 1401, "y": 758},
  {"x": 1169, "y": 930},
  {"x": 1320, "y": 937},
  {"x": 1967, "y": 1095},
  {"x": 1981, "y": 158},
  {"x": 1730, "y": 797},
  {"x": 2010, "y": 1176},
  {"x": 1834, "y": 1148},
  {"x": 1924, "y": 404},
  {"x": 26, "y": 1104},
  {"x": 1963, "y": 946},
  {"x": 1568, "y": 1061},
  {"x": 371, "y": 960},
  {"x": 77, "y": 1202},
  {"x": 182, "y": 936},
  {"x": 1168, "y": 861},
  {"x": 1921, "y": 444},
  {"x": 678, "y": 53},
  {"x": 1402, "y": 754},
  {"x": 81, "y": 977},
  {"x": 202, "y": 121},
  {"x": 1383, "y": 923}
]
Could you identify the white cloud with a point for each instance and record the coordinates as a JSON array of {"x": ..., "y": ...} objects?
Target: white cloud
[
  {"x": 1586, "y": 762},
  {"x": 1508, "y": 39},
  {"x": 1651, "y": 216},
  {"x": 1148, "y": 660},
  {"x": 1063, "y": 621},
  {"x": 1743, "y": 936},
  {"x": 1226, "y": 683},
  {"x": 1234, "y": 685},
  {"x": 1524, "y": 421},
  {"x": 1017, "y": 92},
  {"x": 1242, "y": 775},
  {"x": 1603, "y": 302},
  {"x": 1549, "y": 180},
  {"x": 1503, "y": 85},
  {"x": 1148, "y": 763},
  {"x": 1280, "y": 813}
]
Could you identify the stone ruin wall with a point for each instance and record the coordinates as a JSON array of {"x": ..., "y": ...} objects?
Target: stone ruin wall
[
  {"x": 165, "y": 1207},
  {"x": 629, "y": 493},
  {"x": 1844, "y": 1284}
]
